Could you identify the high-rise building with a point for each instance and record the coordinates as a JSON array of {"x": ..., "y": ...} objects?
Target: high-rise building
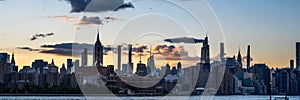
[
  {"x": 130, "y": 64},
  {"x": 292, "y": 65},
  {"x": 119, "y": 57},
  {"x": 248, "y": 57},
  {"x": 63, "y": 71},
  {"x": 69, "y": 66},
  {"x": 98, "y": 52},
  {"x": 141, "y": 69},
  {"x": 124, "y": 68},
  {"x": 173, "y": 71},
  {"x": 4, "y": 57},
  {"x": 168, "y": 69},
  {"x": 39, "y": 65},
  {"x": 239, "y": 59},
  {"x": 298, "y": 56},
  {"x": 129, "y": 53},
  {"x": 151, "y": 66},
  {"x": 76, "y": 64},
  {"x": 13, "y": 64},
  {"x": 179, "y": 67},
  {"x": 84, "y": 57},
  {"x": 205, "y": 55},
  {"x": 222, "y": 52}
]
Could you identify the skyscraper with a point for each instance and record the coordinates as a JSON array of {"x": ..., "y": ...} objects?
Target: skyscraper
[
  {"x": 205, "y": 52},
  {"x": 124, "y": 68},
  {"x": 63, "y": 71},
  {"x": 119, "y": 57},
  {"x": 4, "y": 57},
  {"x": 39, "y": 65},
  {"x": 76, "y": 64},
  {"x": 239, "y": 59},
  {"x": 292, "y": 65},
  {"x": 98, "y": 52},
  {"x": 168, "y": 69},
  {"x": 222, "y": 52},
  {"x": 130, "y": 64},
  {"x": 298, "y": 56},
  {"x": 13, "y": 64},
  {"x": 84, "y": 58},
  {"x": 179, "y": 67},
  {"x": 69, "y": 66},
  {"x": 129, "y": 53},
  {"x": 248, "y": 57}
]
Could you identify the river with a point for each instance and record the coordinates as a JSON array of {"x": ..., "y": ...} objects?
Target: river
[{"x": 232, "y": 97}]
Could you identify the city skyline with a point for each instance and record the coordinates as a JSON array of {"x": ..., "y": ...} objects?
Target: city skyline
[{"x": 278, "y": 30}]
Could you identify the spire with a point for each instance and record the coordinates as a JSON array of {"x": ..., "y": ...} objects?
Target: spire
[
  {"x": 140, "y": 57},
  {"x": 52, "y": 62},
  {"x": 239, "y": 53},
  {"x": 63, "y": 65},
  {"x": 239, "y": 58},
  {"x": 98, "y": 37},
  {"x": 13, "y": 59}
]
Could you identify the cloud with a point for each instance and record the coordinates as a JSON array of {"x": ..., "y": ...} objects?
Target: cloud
[
  {"x": 64, "y": 17},
  {"x": 139, "y": 49},
  {"x": 85, "y": 20},
  {"x": 171, "y": 50},
  {"x": 113, "y": 18},
  {"x": 71, "y": 49},
  {"x": 98, "y": 5},
  {"x": 184, "y": 40},
  {"x": 28, "y": 48},
  {"x": 125, "y": 5},
  {"x": 78, "y": 5},
  {"x": 172, "y": 53},
  {"x": 38, "y": 36}
]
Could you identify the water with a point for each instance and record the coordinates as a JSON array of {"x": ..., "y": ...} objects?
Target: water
[{"x": 254, "y": 97}]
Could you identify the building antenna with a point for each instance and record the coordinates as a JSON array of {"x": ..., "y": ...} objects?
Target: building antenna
[
  {"x": 98, "y": 30},
  {"x": 140, "y": 57}
]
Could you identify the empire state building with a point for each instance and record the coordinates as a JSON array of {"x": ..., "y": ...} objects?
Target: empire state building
[{"x": 98, "y": 53}]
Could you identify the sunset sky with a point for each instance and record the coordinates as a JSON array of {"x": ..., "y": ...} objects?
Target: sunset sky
[{"x": 271, "y": 27}]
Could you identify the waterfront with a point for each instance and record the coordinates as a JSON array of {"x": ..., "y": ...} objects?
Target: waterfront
[{"x": 232, "y": 97}]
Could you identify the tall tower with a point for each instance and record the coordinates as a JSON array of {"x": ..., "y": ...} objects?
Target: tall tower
[
  {"x": 84, "y": 58},
  {"x": 130, "y": 64},
  {"x": 98, "y": 52},
  {"x": 119, "y": 57},
  {"x": 52, "y": 62},
  {"x": 205, "y": 52},
  {"x": 298, "y": 56},
  {"x": 13, "y": 64},
  {"x": 129, "y": 53},
  {"x": 69, "y": 65},
  {"x": 248, "y": 57},
  {"x": 222, "y": 52},
  {"x": 179, "y": 67},
  {"x": 292, "y": 65},
  {"x": 239, "y": 58}
]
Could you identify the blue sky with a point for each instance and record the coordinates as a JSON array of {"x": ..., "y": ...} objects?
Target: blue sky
[{"x": 271, "y": 27}]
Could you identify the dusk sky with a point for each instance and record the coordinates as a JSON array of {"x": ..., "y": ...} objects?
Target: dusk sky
[{"x": 271, "y": 27}]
